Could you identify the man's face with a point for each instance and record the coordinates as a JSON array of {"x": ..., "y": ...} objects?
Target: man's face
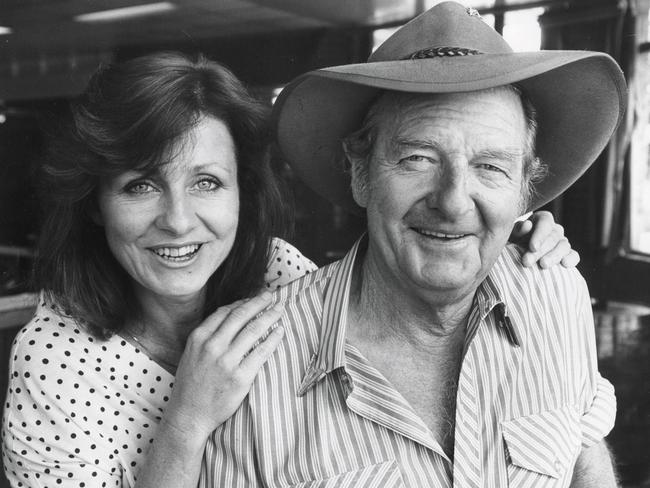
[{"x": 444, "y": 188}]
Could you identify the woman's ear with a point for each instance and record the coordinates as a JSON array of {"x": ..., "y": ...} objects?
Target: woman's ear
[{"x": 93, "y": 211}]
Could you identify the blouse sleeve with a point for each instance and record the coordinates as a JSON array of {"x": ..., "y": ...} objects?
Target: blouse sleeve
[
  {"x": 286, "y": 264},
  {"x": 43, "y": 443}
]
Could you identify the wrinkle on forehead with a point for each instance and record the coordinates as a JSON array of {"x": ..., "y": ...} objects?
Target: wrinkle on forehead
[{"x": 399, "y": 113}]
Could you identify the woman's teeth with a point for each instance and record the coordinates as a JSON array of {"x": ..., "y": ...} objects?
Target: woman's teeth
[{"x": 177, "y": 252}]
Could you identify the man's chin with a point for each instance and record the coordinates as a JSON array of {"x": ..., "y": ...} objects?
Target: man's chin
[{"x": 445, "y": 279}]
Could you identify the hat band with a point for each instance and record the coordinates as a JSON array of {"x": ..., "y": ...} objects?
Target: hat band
[{"x": 436, "y": 52}]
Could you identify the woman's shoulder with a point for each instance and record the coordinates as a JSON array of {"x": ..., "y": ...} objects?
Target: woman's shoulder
[
  {"x": 63, "y": 400},
  {"x": 49, "y": 325},
  {"x": 50, "y": 338},
  {"x": 286, "y": 264}
]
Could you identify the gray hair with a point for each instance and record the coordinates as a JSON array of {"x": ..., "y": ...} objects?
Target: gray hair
[{"x": 359, "y": 145}]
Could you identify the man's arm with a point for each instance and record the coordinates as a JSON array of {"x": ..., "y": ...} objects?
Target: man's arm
[
  {"x": 229, "y": 459},
  {"x": 594, "y": 468}
]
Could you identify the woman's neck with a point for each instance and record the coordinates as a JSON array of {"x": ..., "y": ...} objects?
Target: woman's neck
[{"x": 165, "y": 322}]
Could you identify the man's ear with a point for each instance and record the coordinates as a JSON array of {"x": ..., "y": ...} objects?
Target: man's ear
[{"x": 359, "y": 177}]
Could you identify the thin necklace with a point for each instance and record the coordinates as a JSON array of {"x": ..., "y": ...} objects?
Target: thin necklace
[{"x": 168, "y": 366}]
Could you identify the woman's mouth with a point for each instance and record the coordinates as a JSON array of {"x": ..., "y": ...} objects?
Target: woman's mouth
[{"x": 177, "y": 254}]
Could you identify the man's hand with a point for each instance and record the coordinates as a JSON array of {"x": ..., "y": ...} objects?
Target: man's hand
[
  {"x": 594, "y": 468},
  {"x": 545, "y": 242}
]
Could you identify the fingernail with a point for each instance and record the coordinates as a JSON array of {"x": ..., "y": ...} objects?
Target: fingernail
[{"x": 278, "y": 307}]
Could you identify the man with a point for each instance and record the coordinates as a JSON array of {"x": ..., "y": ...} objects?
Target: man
[{"x": 429, "y": 356}]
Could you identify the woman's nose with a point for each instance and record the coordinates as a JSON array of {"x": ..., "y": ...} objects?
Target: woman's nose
[{"x": 176, "y": 215}]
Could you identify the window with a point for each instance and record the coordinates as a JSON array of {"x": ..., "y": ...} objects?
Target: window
[{"x": 639, "y": 175}]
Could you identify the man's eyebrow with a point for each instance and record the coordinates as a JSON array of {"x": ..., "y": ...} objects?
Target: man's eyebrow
[
  {"x": 513, "y": 156},
  {"x": 509, "y": 155},
  {"x": 401, "y": 141}
]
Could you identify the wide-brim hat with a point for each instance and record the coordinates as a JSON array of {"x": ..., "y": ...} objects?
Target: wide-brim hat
[{"x": 579, "y": 96}]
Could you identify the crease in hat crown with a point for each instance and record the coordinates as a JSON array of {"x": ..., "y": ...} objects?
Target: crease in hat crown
[{"x": 453, "y": 26}]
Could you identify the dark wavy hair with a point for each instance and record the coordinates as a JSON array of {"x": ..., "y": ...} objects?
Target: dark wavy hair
[{"x": 130, "y": 116}]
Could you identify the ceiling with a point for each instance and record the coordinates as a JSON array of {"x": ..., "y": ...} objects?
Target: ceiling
[{"x": 47, "y": 46}]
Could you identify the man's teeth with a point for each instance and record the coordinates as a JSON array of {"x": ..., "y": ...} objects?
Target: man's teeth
[
  {"x": 440, "y": 235},
  {"x": 176, "y": 252}
]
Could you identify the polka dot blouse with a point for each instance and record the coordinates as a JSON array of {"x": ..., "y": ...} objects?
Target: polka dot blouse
[{"x": 82, "y": 412}]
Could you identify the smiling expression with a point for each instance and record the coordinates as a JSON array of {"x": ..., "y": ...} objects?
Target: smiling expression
[
  {"x": 171, "y": 230},
  {"x": 444, "y": 188}
]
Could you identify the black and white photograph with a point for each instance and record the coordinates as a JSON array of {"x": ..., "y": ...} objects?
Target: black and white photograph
[{"x": 325, "y": 244}]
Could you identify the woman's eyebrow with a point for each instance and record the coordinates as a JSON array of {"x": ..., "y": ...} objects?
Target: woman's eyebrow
[{"x": 207, "y": 166}]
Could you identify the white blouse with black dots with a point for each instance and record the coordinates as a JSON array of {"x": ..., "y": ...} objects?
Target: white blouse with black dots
[{"x": 81, "y": 412}]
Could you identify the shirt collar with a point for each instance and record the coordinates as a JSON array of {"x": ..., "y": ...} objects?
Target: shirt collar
[
  {"x": 493, "y": 295},
  {"x": 330, "y": 354},
  {"x": 331, "y": 348}
]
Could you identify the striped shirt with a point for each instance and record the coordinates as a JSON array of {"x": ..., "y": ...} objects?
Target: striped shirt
[{"x": 319, "y": 415}]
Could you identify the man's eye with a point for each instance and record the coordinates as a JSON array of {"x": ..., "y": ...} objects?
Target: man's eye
[
  {"x": 416, "y": 158},
  {"x": 491, "y": 168},
  {"x": 208, "y": 184}
]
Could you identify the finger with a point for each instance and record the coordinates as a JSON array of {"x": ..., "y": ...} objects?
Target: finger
[
  {"x": 549, "y": 243},
  {"x": 520, "y": 229},
  {"x": 239, "y": 316},
  {"x": 213, "y": 321},
  {"x": 529, "y": 259},
  {"x": 554, "y": 256},
  {"x": 544, "y": 226},
  {"x": 252, "y": 363},
  {"x": 254, "y": 330},
  {"x": 571, "y": 260}
]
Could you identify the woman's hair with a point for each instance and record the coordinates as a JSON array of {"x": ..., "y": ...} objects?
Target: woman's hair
[{"x": 130, "y": 116}]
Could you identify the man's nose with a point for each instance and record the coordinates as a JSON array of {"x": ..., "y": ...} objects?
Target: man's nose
[
  {"x": 176, "y": 214},
  {"x": 450, "y": 193}
]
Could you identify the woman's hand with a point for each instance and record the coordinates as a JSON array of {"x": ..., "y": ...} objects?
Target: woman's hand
[
  {"x": 220, "y": 363},
  {"x": 545, "y": 242}
]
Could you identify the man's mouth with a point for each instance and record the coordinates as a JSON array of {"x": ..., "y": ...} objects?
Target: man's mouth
[
  {"x": 178, "y": 254},
  {"x": 438, "y": 235}
]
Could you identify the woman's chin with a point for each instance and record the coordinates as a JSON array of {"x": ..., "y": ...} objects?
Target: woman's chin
[{"x": 181, "y": 292}]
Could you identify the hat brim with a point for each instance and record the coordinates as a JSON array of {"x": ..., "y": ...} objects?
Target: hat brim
[{"x": 579, "y": 98}]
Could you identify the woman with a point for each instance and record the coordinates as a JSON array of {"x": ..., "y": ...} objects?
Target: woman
[
  {"x": 142, "y": 240},
  {"x": 160, "y": 208}
]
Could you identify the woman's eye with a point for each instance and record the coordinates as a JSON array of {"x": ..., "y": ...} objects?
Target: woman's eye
[
  {"x": 208, "y": 184},
  {"x": 139, "y": 187}
]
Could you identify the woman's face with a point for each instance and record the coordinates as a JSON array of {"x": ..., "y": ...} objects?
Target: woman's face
[{"x": 171, "y": 230}]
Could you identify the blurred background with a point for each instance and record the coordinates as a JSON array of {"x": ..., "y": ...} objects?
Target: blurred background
[{"x": 49, "y": 48}]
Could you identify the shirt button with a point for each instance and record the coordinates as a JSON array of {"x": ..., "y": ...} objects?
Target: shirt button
[{"x": 347, "y": 383}]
